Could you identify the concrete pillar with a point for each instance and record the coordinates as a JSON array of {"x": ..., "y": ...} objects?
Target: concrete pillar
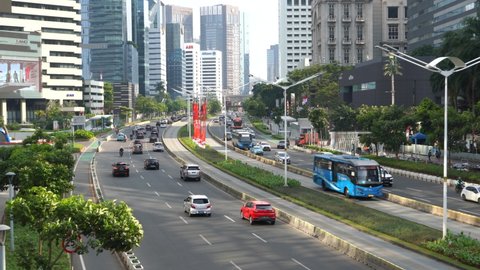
[
  {"x": 4, "y": 111},
  {"x": 23, "y": 111}
]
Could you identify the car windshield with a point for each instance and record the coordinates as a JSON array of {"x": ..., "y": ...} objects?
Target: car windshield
[
  {"x": 200, "y": 201},
  {"x": 264, "y": 207}
]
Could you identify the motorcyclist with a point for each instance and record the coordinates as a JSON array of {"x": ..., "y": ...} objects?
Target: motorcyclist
[
  {"x": 459, "y": 185},
  {"x": 121, "y": 151}
]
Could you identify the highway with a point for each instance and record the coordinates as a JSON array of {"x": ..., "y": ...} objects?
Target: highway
[
  {"x": 223, "y": 241},
  {"x": 427, "y": 192}
]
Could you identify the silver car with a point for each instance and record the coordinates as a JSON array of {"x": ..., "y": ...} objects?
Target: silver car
[
  {"x": 190, "y": 171},
  {"x": 282, "y": 157},
  {"x": 197, "y": 205}
]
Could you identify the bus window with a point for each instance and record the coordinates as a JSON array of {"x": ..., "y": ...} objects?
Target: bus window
[{"x": 366, "y": 175}]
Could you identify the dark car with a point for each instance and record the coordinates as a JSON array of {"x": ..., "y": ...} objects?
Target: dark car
[
  {"x": 140, "y": 135},
  {"x": 153, "y": 138},
  {"x": 151, "y": 163},
  {"x": 148, "y": 127},
  {"x": 120, "y": 169},
  {"x": 281, "y": 144}
]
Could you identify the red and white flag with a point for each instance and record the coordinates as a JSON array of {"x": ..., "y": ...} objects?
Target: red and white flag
[{"x": 304, "y": 100}]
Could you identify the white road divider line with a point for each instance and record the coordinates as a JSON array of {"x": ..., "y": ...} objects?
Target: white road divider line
[
  {"x": 229, "y": 218},
  {"x": 189, "y": 192},
  {"x": 163, "y": 170},
  {"x": 455, "y": 199},
  {"x": 156, "y": 193},
  {"x": 414, "y": 189},
  {"x": 133, "y": 165},
  {"x": 178, "y": 183},
  {"x": 422, "y": 199},
  {"x": 301, "y": 264},
  {"x": 169, "y": 176},
  {"x": 261, "y": 239},
  {"x": 168, "y": 205},
  {"x": 236, "y": 266},
  {"x": 470, "y": 212},
  {"x": 186, "y": 222},
  {"x": 148, "y": 184},
  {"x": 205, "y": 239},
  {"x": 136, "y": 170},
  {"x": 141, "y": 176}
]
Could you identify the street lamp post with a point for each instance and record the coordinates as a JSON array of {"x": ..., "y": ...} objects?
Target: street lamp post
[
  {"x": 3, "y": 228},
  {"x": 10, "y": 176},
  {"x": 459, "y": 65},
  {"x": 285, "y": 88}
]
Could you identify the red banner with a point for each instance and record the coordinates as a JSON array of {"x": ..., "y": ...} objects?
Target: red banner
[
  {"x": 204, "y": 121},
  {"x": 196, "y": 128}
]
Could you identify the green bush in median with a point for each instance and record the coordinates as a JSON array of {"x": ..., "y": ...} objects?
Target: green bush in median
[{"x": 459, "y": 246}]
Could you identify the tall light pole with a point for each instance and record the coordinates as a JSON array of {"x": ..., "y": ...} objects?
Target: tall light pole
[
  {"x": 3, "y": 228},
  {"x": 459, "y": 65},
  {"x": 10, "y": 176},
  {"x": 285, "y": 88}
]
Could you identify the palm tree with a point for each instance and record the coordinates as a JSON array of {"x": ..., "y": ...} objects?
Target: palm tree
[{"x": 392, "y": 68}]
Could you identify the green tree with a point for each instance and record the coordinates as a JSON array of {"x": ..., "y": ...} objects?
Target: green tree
[
  {"x": 105, "y": 226},
  {"x": 214, "y": 106},
  {"x": 343, "y": 118},
  {"x": 392, "y": 68},
  {"x": 319, "y": 119},
  {"x": 108, "y": 98}
]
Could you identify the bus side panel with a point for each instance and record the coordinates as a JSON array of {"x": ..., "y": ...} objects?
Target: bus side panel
[
  {"x": 321, "y": 175},
  {"x": 343, "y": 181}
]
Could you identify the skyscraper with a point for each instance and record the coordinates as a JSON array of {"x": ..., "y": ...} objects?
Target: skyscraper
[
  {"x": 157, "y": 55},
  {"x": 220, "y": 30},
  {"x": 183, "y": 16},
  {"x": 211, "y": 71},
  {"x": 272, "y": 63},
  {"x": 192, "y": 68},
  {"x": 175, "y": 58},
  {"x": 143, "y": 24},
  {"x": 244, "y": 55}
]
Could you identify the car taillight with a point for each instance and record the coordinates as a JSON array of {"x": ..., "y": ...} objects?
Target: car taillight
[
  {"x": 193, "y": 206},
  {"x": 208, "y": 206},
  {"x": 115, "y": 168}
]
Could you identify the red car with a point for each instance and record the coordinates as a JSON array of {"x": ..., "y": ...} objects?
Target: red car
[
  {"x": 258, "y": 211},
  {"x": 120, "y": 169}
]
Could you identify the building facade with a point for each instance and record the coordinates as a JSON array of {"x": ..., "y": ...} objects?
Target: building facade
[
  {"x": 295, "y": 36},
  {"x": 93, "y": 97},
  {"x": 192, "y": 68},
  {"x": 183, "y": 16},
  {"x": 347, "y": 32},
  {"x": 51, "y": 33},
  {"x": 142, "y": 39},
  {"x": 157, "y": 49},
  {"x": 273, "y": 64},
  {"x": 211, "y": 72},
  {"x": 175, "y": 58},
  {"x": 429, "y": 20},
  {"x": 220, "y": 30}
]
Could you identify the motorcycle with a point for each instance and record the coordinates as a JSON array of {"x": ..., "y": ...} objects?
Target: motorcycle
[
  {"x": 459, "y": 185},
  {"x": 121, "y": 152}
]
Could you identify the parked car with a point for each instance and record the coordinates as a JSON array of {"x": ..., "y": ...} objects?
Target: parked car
[
  {"x": 120, "y": 169},
  {"x": 257, "y": 150},
  {"x": 137, "y": 148},
  {"x": 265, "y": 146},
  {"x": 282, "y": 156},
  {"x": 281, "y": 144},
  {"x": 229, "y": 135},
  {"x": 158, "y": 147},
  {"x": 121, "y": 137},
  {"x": 151, "y": 163},
  {"x": 190, "y": 171},
  {"x": 471, "y": 193},
  {"x": 197, "y": 205},
  {"x": 387, "y": 178},
  {"x": 258, "y": 211}
]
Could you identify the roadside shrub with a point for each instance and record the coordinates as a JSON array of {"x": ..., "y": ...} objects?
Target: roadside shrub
[
  {"x": 458, "y": 246},
  {"x": 84, "y": 134},
  {"x": 13, "y": 126}
]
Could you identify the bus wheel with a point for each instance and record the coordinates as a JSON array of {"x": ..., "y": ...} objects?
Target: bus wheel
[
  {"x": 324, "y": 187},
  {"x": 345, "y": 192}
]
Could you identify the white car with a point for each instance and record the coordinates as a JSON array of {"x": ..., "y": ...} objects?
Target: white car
[
  {"x": 265, "y": 146},
  {"x": 197, "y": 205},
  {"x": 163, "y": 125},
  {"x": 282, "y": 157},
  {"x": 158, "y": 147},
  {"x": 471, "y": 193}
]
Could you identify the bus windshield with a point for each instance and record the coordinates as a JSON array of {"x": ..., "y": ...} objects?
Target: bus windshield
[
  {"x": 367, "y": 175},
  {"x": 244, "y": 138}
]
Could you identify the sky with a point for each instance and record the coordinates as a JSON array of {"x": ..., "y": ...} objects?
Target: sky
[{"x": 262, "y": 17}]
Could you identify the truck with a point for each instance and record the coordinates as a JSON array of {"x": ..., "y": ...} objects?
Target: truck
[
  {"x": 237, "y": 123},
  {"x": 307, "y": 138}
]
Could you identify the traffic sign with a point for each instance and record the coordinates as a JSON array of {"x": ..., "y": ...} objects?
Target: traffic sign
[{"x": 70, "y": 245}]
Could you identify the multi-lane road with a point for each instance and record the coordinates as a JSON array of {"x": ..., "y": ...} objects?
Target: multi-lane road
[{"x": 223, "y": 241}]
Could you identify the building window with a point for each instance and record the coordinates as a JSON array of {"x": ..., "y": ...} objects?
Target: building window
[
  {"x": 331, "y": 33},
  {"x": 289, "y": 2},
  {"x": 346, "y": 55},
  {"x": 346, "y": 33},
  {"x": 359, "y": 55},
  {"x": 405, "y": 10},
  {"x": 393, "y": 31},
  {"x": 331, "y": 11},
  {"x": 346, "y": 11},
  {"x": 360, "y": 32},
  {"x": 331, "y": 55},
  {"x": 393, "y": 12},
  {"x": 360, "y": 10}
]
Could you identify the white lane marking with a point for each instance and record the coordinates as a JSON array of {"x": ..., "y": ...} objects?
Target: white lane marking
[
  {"x": 148, "y": 184},
  {"x": 178, "y": 183},
  {"x": 301, "y": 264},
  {"x": 183, "y": 220},
  {"x": 82, "y": 262},
  {"x": 141, "y": 176},
  {"x": 133, "y": 165},
  {"x": 205, "y": 239},
  {"x": 386, "y": 190},
  {"x": 163, "y": 170},
  {"x": 470, "y": 212},
  {"x": 455, "y": 199},
  {"x": 422, "y": 199},
  {"x": 136, "y": 170},
  {"x": 168, "y": 205},
  {"x": 236, "y": 266},
  {"x": 414, "y": 189},
  {"x": 189, "y": 192},
  {"x": 156, "y": 193},
  {"x": 169, "y": 176},
  {"x": 261, "y": 239},
  {"x": 229, "y": 218}
]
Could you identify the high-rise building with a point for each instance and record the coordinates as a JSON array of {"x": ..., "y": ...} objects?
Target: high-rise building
[
  {"x": 143, "y": 24},
  {"x": 295, "y": 36},
  {"x": 347, "y": 32},
  {"x": 175, "y": 58},
  {"x": 33, "y": 32},
  {"x": 192, "y": 68},
  {"x": 244, "y": 55},
  {"x": 183, "y": 16},
  {"x": 220, "y": 30},
  {"x": 157, "y": 55},
  {"x": 211, "y": 72},
  {"x": 273, "y": 64},
  {"x": 429, "y": 20}
]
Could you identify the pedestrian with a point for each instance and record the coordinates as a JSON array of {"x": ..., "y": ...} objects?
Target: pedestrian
[
  {"x": 437, "y": 153},
  {"x": 429, "y": 154},
  {"x": 15, "y": 77}
]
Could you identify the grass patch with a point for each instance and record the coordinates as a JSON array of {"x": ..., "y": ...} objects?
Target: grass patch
[
  {"x": 417, "y": 237},
  {"x": 260, "y": 126},
  {"x": 26, "y": 239}
]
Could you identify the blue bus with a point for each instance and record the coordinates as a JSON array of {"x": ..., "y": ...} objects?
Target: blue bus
[
  {"x": 351, "y": 175},
  {"x": 242, "y": 140}
]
